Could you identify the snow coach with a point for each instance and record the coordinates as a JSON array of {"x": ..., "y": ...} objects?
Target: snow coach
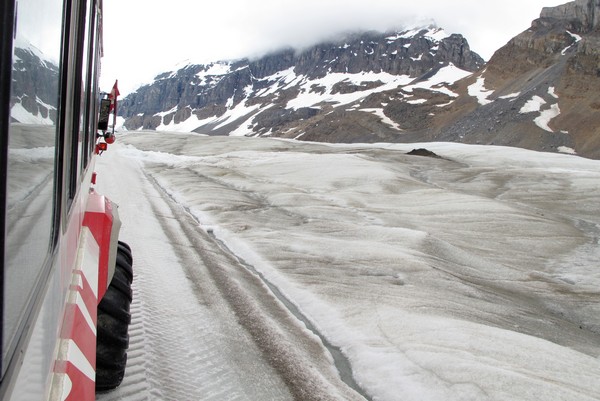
[{"x": 65, "y": 278}]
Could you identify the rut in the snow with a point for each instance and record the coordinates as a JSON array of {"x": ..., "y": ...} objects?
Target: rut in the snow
[
  {"x": 303, "y": 381},
  {"x": 342, "y": 363}
]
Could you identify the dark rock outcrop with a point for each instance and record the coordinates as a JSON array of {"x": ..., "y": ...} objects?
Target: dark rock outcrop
[{"x": 585, "y": 13}]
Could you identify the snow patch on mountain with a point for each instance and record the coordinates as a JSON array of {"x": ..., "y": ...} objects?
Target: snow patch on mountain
[
  {"x": 546, "y": 116},
  {"x": 309, "y": 97},
  {"x": 432, "y": 32},
  {"x": 546, "y": 113},
  {"x": 385, "y": 119},
  {"x": 440, "y": 81},
  {"x": 187, "y": 125},
  {"x": 22, "y": 115},
  {"x": 510, "y": 96},
  {"x": 278, "y": 80},
  {"x": 577, "y": 40},
  {"x": 213, "y": 74},
  {"x": 479, "y": 91},
  {"x": 533, "y": 105}
]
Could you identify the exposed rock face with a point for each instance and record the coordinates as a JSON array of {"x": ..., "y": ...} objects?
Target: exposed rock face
[
  {"x": 393, "y": 53},
  {"x": 540, "y": 91},
  {"x": 584, "y": 12}
]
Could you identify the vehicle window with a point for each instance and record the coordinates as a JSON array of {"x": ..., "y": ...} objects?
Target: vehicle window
[
  {"x": 31, "y": 159},
  {"x": 85, "y": 90},
  {"x": 83, "y": 102},
  {"x": 93, "y": 99}
]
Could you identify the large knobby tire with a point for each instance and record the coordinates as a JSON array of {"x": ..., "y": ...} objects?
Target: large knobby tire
[{"x": 113, "y": 324}]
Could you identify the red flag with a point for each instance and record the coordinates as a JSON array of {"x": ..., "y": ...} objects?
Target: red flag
[{"x": 114, "y": 93}]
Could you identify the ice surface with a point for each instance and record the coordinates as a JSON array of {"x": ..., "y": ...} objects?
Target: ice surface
[{"x": 472, "y": 276}]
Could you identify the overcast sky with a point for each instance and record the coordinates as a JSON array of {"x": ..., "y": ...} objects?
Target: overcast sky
[{"x": 145, "y": 37}]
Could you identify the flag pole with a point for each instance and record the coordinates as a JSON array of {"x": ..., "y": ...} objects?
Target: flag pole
[{"x": 114, "y": 94}]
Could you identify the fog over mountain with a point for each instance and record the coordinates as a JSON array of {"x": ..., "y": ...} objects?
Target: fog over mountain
[{"x": 144, "y": 37}]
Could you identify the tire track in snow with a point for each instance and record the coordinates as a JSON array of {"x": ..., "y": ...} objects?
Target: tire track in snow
[
  {"x": 342, "y": 363},
  {"x": 209, "y": 366},
  {"x": 135, "y": 386},
  {"x": 296, "y": 353},
  {"x": 184, "y": 343}
]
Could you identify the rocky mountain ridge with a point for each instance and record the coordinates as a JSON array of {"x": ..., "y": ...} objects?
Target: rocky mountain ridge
[
  {"x": 540, "y": 91},
  {"x": 211, "y": 89},
  {"x": 35, "y": 80},
  {"x": 411, "y": 53}
]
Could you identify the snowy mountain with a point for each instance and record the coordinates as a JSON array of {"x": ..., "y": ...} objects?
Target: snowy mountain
[
  {"x": 306, "y": 95},
  {"x": 540, "y": 91},
  {"x": 35, "y": 80}
]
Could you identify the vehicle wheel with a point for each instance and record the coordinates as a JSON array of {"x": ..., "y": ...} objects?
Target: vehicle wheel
[
  {"x": 113, "y": 324},
  {"x": 125, "y": 258},
  {"x": 126, "y": 251}
]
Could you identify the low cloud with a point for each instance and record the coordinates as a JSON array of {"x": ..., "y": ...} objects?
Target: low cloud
[{"x": 143, "y": 38}]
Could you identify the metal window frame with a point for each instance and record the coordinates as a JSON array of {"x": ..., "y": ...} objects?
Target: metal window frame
[{"x": 7, "y": 29}]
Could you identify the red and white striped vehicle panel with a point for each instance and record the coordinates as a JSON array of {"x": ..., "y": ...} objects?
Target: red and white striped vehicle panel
[{"x": 74, "y": 369}]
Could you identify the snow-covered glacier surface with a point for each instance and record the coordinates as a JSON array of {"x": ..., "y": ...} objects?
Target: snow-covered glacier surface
[{"x": 473, "y": 275}]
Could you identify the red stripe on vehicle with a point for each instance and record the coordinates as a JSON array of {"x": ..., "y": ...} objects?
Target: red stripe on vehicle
[
  {"x": 99, "y": 219},
  {"x": 78, "y": 330},
  {"x": 87, "y": 295},
  {"x": 82, "y": 387}
]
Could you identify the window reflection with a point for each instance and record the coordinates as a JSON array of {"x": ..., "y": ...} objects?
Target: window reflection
[{"x": 31, "y": 156}]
